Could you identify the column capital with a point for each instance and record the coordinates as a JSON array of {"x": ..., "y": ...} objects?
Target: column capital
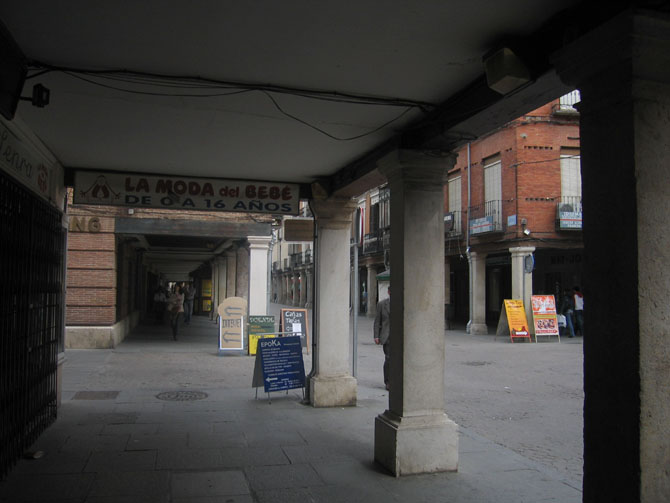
[
  {"x": 259, "y": 242},
  {"x": 633, "y": 44},
  {"x": 417, "y": 169},
  {"x": 521, "y": 250},
  {"x": 334, "y": 212}
]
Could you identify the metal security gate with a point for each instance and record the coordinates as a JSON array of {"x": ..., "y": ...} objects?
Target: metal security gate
[{"x": 31, "y": 317}]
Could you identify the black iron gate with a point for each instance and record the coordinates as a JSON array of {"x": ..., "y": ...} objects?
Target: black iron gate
[{"x": 31, "y": 317}]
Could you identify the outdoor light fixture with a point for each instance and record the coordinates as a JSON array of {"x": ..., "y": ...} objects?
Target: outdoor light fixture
[
  {"x": 526, "y": 232},
  {"x": 505, "y": 71}
]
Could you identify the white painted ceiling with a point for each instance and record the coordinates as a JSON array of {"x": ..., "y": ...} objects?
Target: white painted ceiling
[{"x": 423, "y": 51}]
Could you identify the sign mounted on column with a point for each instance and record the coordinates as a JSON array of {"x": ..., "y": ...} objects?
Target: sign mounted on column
[{"x": 185, "y": 193}]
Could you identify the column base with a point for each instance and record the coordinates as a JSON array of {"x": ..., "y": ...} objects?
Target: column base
[
  {"x": 337, "y": 391},
  {"x": 479, "y": 329},
  {"x": 412, "y": 445}
]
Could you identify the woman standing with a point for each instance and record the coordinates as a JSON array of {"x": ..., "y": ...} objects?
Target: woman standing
[{"x": 176, "y": 307}]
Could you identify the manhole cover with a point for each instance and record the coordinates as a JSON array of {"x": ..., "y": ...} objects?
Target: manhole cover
[{"x": 181, "y": 396}]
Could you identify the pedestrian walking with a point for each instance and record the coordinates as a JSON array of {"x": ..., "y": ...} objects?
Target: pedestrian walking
[
  {"x": 567, "y": 310},
  {"x": 578, "y": 297},
  {"x": 189, "y": 297},
  {"x": 176, "y": 308},
  {"x": 382, "y": 332}
]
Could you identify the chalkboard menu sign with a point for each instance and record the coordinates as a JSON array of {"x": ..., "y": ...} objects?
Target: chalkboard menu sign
[
  {"x": 294, "y": 321},
  {"x": 282, "y": 364}
]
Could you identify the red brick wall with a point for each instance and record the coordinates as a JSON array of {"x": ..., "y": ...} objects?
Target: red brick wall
[
  {"x": 91, "y": 270},
  {"x": 530, "y": 149}
]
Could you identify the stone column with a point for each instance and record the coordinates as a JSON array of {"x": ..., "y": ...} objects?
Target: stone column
[
  {"x": 477, "y": 263},
  {"x": 259, "y": 247},
  {"x": 284, "y": 288},
  {"x": 333, "y": 384},
  {"x": 415, "y": 435},
  {"x": 242, "y": 279},
  {"x": 622, "y": 69},
  {"x": 303, "y": 289},
  {"x": 231, "y": 270},
  {"x": 372, "y": 292},
  {"x": 221, "y": 270},
  {"x": 296, "y": 289},
  {"x": 215, "y": 295},
  {"x": 308, "y": 287},
  {"x": 522, "y": 282}
]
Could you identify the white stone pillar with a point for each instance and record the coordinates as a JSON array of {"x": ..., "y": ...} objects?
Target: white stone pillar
[
  {"x": 372, "y": 292},
  {"x": 415, "y": 435},
  {"x": 259, "y": 247},
  {"x": 242, "y": 279},
  {"x": 333, "y": 384},
  {"x": 231, "y": 272},
  {"x": 477, "y": 263},
  {"x": 522, "y": 282}
]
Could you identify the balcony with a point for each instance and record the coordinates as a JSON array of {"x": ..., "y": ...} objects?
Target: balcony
[
  {"x": 566, "y": 104},
  {"x": 453, "y": 224},
  {"x": 569, "y": 214},
  {"x": 299, "y": 259},
  {"x": 486, "y": 218},
  {"x": 372, "y": 242}
]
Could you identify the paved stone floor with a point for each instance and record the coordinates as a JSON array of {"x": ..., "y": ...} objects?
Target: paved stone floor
[{"x": 116, "y": 440}]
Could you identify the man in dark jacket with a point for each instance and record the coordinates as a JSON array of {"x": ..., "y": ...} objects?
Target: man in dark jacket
[{"x": 382, "y": 330}]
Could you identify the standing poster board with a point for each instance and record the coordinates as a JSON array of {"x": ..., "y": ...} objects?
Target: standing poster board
[
  {"x": 544, "y": 316},
  {"x": 231, "y": 325},
  {"x": 513, "y": 319},
  {"x": 294, "y": 322},
  {"x": 279, "y": 364},
  {"x": 260, "y": 327}
]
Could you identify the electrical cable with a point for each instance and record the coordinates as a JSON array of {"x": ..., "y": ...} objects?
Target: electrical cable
[{"x": 173, "y": 82}]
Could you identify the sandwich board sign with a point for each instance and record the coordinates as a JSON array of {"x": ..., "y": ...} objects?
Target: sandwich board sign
[
  {"x": 544, "y": 316},
  {"x": 294, "y": 322},
  {"x": 279, "y": 364},
  {"x": 513, "y": 320},
  {"x": 260, "y": 327},
  {"x": 231, "y": 325}
]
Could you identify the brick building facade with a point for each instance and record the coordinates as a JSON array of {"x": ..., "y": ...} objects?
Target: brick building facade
[{"x": 522, "y": 196}]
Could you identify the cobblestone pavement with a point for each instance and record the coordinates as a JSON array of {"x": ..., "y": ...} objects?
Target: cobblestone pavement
[{"x": 526, "y": 397}]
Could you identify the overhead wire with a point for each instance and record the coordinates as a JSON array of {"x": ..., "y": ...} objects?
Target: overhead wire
[{"x": 189, "y": 87}]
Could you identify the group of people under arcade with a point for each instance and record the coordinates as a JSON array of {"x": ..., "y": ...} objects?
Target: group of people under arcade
[
  {"x": 175, "y": 301},
  {"x": 572, "y": 307}
]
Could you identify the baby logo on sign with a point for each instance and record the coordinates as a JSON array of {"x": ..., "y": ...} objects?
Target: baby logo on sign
[{"x": 231, "y": 323}]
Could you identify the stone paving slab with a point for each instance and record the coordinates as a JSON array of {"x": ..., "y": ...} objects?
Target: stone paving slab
[{"x": 235, "y": 448}]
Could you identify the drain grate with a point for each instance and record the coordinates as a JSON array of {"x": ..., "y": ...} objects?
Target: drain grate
[
  {"x": 476, "y": 364},
  {"x": 181, "y": 396}
]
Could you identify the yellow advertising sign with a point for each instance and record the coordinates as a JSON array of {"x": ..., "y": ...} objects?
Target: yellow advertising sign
[
  {"x": 206, "y": 287},
  {"x": 516, "y": 319}
]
